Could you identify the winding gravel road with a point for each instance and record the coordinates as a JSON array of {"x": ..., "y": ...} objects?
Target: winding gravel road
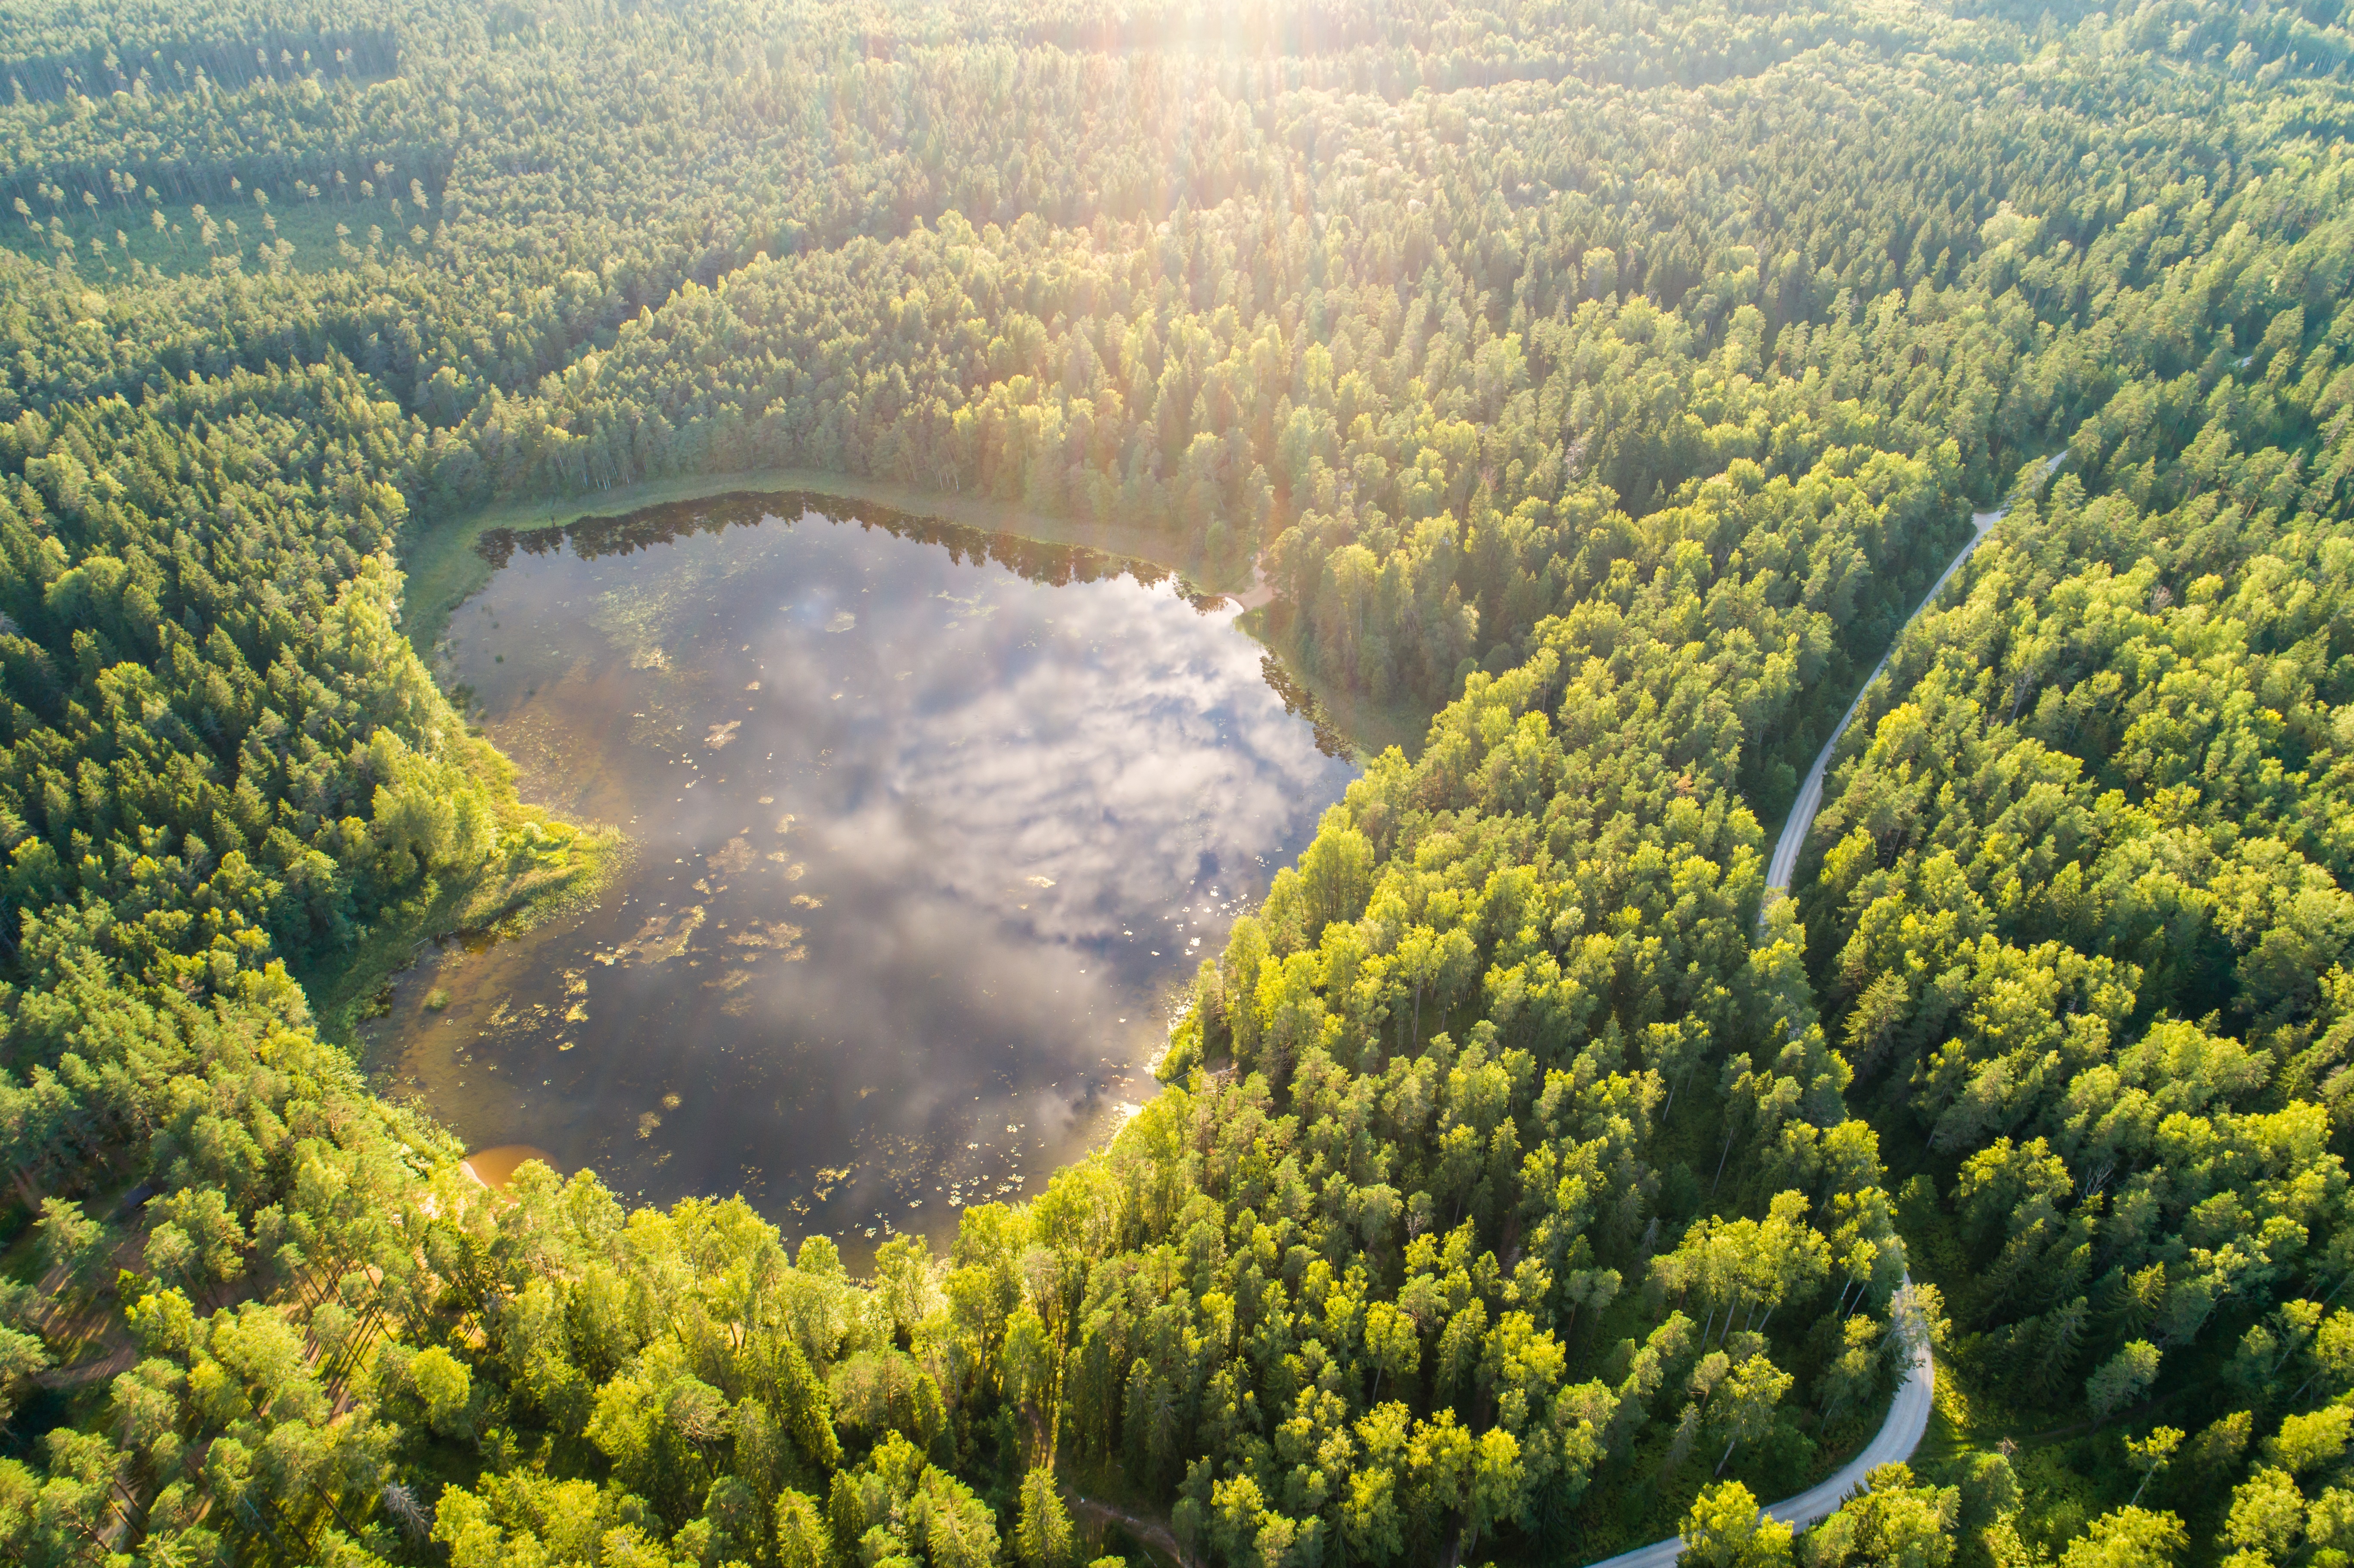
[
  {"x": 1810, "y": 793},
  {"x": 1908, "y": 1413},
  {"x": 1908, "y": 1418}
]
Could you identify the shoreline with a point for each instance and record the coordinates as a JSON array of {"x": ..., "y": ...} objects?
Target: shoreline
[{"x": 444, "y": 568}]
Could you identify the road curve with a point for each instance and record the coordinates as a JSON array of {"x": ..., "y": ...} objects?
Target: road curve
[
  {"x": 1810, "y": 792},
  {"x": 1908, "y": 1418},
  {"x": 1908, "y": 1413}
]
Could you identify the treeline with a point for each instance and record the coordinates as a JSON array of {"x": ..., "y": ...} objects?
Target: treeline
[
  {"x": 1371, "y": 1292},
  {"x": 1613, "y": 382},
  {"x": 232, "y": 52},
  {"x": 2075, "y": 902}
]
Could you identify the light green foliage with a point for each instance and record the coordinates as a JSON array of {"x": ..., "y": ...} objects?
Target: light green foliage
[
  {"x": 2128, "y": 1538},
  {"x": 21, "y": 1355},
  {"x": 801, "y": 1538},
  {"x": 163, "y": 1323},
  {"x": 1726, "y": 1529},
  {"x": 2151, "y": 1455},
  {"x": 524, "y": 1519},
  {"x": 2310, "y": 1441},
  {"x": 442, "y": 1382},
  {"x": 895, "y": 1508},
  {"x": 1896, "y": 1523},
  {"x": 2121, "y": 1379},
  {"x": 71, "y": 1243},
  {"x": 1606, "y": 384},
  {"x": 1041, "y": 1533}
]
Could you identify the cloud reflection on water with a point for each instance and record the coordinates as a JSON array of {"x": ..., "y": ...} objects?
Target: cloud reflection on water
[{"x": 1003, "y": 788}]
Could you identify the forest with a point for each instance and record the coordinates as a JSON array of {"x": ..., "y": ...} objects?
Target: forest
[{"x": 1601, "y": 384}]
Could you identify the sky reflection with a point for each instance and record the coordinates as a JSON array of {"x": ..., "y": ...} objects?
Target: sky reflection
[{"x": 927, "y": 845}]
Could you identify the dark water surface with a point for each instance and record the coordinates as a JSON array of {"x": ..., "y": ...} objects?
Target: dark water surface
[{"x": 930, "y": 827}]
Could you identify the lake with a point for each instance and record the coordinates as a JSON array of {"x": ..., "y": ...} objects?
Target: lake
[{"x": 931, "y": 826}]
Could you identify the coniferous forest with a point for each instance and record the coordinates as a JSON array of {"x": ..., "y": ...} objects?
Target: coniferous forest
[{"x": 1603, "y": 384}]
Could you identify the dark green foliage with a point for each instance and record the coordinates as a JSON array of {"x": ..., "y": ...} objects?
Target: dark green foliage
[{"x": 1610, "y": 382}]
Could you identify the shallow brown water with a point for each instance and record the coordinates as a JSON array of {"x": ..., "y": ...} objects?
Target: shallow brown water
[
  {"x": 496, "y": 1167},
  {"x": 930, "y": 829}
]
